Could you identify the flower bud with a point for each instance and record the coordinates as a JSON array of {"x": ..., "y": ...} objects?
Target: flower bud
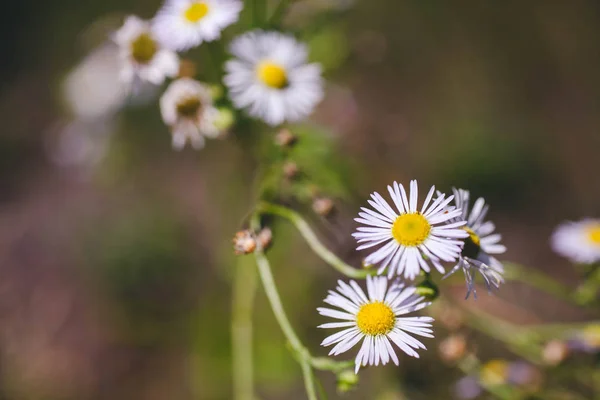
[
  {"x": 554, "y": 352},
  {"x": 225, "y": 119},
  {"x": 290, "y": 170},
  {"x": 427, "y": 289},
  {"x": 494, "y": 373},
  {"x": 285, "y": 138},
  {"x": 264, "y": 238},
  {"x": 322, "y": 206},
  {"x": 346, "y": 380},
  {"x": 244, "y": 242},
  {"x": 453, "y": 348}
]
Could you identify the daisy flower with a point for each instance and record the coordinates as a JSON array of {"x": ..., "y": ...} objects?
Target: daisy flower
[
  {"x": 141, "y": 55},
  {"x": 410, "y": 239},
  {"x": 271, "y": 79},
  {"x": 183, "y": 24},
  {"x": 480, "y": 244},
  {"x": 187, "y": 107},
  {"x": 578, "y": 241},
  {"x": 376, "y": 319}
]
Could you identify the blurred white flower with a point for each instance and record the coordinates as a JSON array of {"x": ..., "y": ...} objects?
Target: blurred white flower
[
  {"x": 578, "y": 241},
  {"x": 141, "y": 55},
  {"x": 375, "y": 318},
  {"x": 183, "y": 24},
  {"x": 187, "y": 107},
  {"x": 479, "y": 245},
  {"x": 271, "y": 79},
  {"x": 411, "y": 239},
  {"x": 92, "y": 89}
]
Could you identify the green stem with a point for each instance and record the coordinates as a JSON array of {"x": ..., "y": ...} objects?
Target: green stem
[
  {"x": 268, "y": 282},
  {"x": 313, "y": 241},
  {"x": 309, "y": 379},
  {"x": 244, "y": 289}
]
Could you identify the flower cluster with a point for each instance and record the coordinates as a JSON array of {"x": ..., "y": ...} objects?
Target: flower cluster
[
  {"x": 268, "y": 76},
  {"x": 405, "y": 239}
]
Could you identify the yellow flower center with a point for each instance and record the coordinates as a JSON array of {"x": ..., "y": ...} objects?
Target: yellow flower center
[
  {"x": 272, "y": 75},
  {"x": 375, "y": 319},
  {"x": 411, "y": 229},
  {"x": 593, "y": 233},
  {"x": 196, "y": 11},
  {"x": 472, "y": 244},
  {"x": 189, "y": 108},
  {"x": 143, "y": 48}
]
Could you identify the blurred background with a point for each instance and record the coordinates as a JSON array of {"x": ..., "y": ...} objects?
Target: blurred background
[{"x": 116, "y": 259}]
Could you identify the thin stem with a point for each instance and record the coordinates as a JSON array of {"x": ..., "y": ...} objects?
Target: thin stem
[
  {"x": 303, "y": 355},
  {"x": 244, "y": 289},
  {"x": 313, "y": 241},
  {"x": 309, "y": 380}
]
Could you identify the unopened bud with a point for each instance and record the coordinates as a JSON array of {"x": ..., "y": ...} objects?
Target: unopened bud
[
  {"x": 244, "y": 242},
  {"x": 554, "y": 352},
  {"x": 264, "y": 238},
  {"x": 323, "y": 206},
  {"x": 285, "y": 138},
  {"x": 290, "y": 170},
  {"x": 453, "y": 348},
  {"x": 346, "y": 381},
  {"x": 494, "y": 373},
  {"x": 427, "y": 289},
  {"x": 187, "y": 68},
  {"x": 225, "y": 119},
  {"x": 216, "y": 91}
]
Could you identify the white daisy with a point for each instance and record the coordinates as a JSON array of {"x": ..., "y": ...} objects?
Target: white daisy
[
  {"x": 411, "y": 239},
  {"x": 187, "y": 107},
  {"x": 271, "y": 79},
  {"x": 183, "y": 24},
  {"x": 578, "y": 241},
  {"x": 375, "y": 319},
  {"x": 141, "y": 55},
  {"x": 479, "y": 245}
]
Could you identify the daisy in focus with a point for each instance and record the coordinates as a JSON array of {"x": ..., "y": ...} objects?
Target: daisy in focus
[
  {"x": 187, "y": 107},
  {"x": 376, "y": 319},
  {"x": 480, "y": 244},
  {"x": 183, "y": 24},
  {"x": 141, "y": 55},
  {"x": 578, "y": 241},
  {"x": 410, "y": 239},
  {"x": 271, "y": 79}
]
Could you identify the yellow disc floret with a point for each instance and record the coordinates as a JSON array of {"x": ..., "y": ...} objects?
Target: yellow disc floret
[
  {"x": 472, "y": 244},
  {"x": 593, "y": 233},
  {"x": 272, "y": 74},
  {"x": 411, "y": 229},
  {"x": 143, "y": 48},
  {"x": 189, "y": 107},
  {"x": 375, "y": 318},
  {"x": 196, "y": 11}
]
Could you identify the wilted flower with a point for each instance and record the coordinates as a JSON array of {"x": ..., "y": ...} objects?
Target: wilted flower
[
  {"x": 578, "y": 241},
  {"x": 479, "y": 244},
  {"x": 244, "y": 242},
  {"x": 183, "y": 24},
  {"x": 141, "y": 55},
  {"x": 285, "y": 138},
  {"x": 411, "y": 239},
  {"x": 375, "y": 318},
  {"x": 187, "y": 107},
  {"x": 271, "y": 79}
]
